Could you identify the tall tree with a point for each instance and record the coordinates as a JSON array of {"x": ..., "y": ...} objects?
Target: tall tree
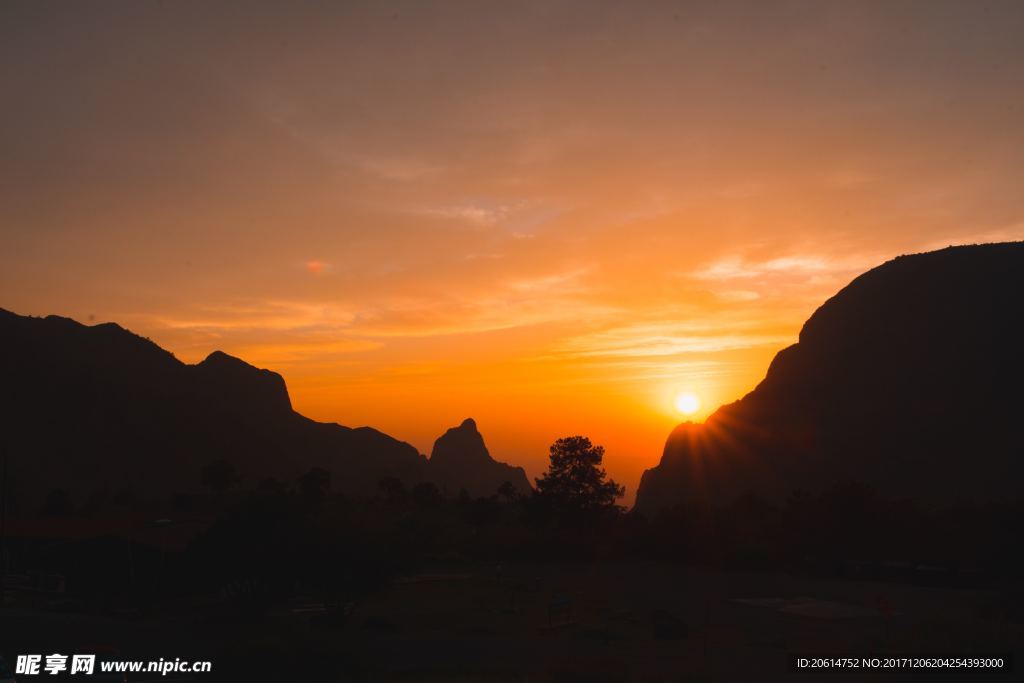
[
  {"x": 314, "y": 484},
  {"x": 575, "y": 480}
]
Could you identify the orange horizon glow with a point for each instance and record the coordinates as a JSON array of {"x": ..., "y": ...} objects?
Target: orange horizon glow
[{"x": 555, "y": 218}]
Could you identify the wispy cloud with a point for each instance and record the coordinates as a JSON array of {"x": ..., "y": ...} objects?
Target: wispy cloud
[
  {"x": 400, "y": 169},
  {"x": 509, "y": 302},
  {"x": 740, "y": 279},
  {"x": 848, "y": 178},
  {"x": 737, "y": 268},
  {"x": 670, "y": 339},
  {"x": 479, "y": 212},
  {"x": 277, "y": 315}
]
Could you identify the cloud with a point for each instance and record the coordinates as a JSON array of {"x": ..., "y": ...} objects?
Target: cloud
[
  {"x": 671, "y": 339},
  {"x": 316, "y": 267},
  {"x": 848, "y": 178},
  {"x": 480, "y": 212},
  {"x": 795, "y": 276},
  {"x": 736, "y": 295},
  {"x": 736, "y": 268},
  {"x": 274, "y": 315},
  {"x": 566, "y": 282},
  {"x": 304, "y": 351},
  {"x": 508, "y": 302},
  {"x": 511, "y": 302},
  {"x": 398, "y": 168}
]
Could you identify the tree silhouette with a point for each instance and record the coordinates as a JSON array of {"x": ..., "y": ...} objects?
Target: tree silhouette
[
  {"x": 392, "y": 488},
  {"x": 575, "y": 480},
  {"x": 58, "y": 504},
  {"x": 314, "y": 484},
  {"x": 507, "y": 493},
  {"x": 271, "y": 486},
  {"x": 219, "y": 476},
  {"x": 427, "y": 495}
]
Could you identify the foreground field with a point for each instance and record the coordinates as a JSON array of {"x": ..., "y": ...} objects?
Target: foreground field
[{"x": 553, "y": 623}]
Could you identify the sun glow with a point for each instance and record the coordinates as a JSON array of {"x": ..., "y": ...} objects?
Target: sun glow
[{"x": 687, "y": 403}]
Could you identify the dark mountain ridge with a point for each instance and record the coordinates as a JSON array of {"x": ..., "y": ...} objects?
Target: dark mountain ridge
[
  {"x": 909, "y": 380},
  {"x": 460, "y": 460},
  {"x": 98, "y": 408}
]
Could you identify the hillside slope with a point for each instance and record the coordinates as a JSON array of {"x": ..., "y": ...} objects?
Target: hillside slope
[
  {"x": 910, "y": 379},
  {"x": 90, "y": 408}
]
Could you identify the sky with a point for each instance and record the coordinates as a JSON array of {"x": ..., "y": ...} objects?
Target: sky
[{"x": 554, "y": 217}]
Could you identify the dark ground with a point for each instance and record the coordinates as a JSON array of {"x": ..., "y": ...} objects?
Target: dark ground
[{"x": 608, "y": 622}]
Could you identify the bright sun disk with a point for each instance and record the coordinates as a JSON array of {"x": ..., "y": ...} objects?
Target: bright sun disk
[{"x": 687, "y": 403}]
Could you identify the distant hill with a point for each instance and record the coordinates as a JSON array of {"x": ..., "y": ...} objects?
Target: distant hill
[
  {"x": 910, "y": 380},
  {"x": 91, "y": 408},
  {"x": 460, "y": 461}
]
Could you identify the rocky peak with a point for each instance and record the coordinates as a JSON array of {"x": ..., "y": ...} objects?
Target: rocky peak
[
  {"x": 244, "y": 385},
  {"x": 460, "y": 460}
]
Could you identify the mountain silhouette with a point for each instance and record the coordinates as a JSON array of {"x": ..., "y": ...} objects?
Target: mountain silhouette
[
  {"x": 89, "y": 408},
  {"x": 460, "y": 460},
  {"x": 908, "y": 380}
]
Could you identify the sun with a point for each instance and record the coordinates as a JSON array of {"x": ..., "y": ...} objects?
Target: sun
[{"x": 687, "y": 403}]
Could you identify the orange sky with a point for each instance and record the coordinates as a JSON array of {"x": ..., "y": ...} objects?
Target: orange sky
[{"x": 551, "y": 216}]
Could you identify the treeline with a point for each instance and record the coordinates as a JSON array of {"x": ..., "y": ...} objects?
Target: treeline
[
  {"x": 847, "y": 529},
  {"x": 274, "y": 539},
  {"x": 300, "y": 537}
]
